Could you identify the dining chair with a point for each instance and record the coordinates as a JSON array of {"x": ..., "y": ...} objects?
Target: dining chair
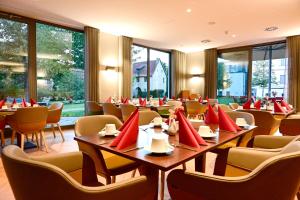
[
  {"x": 2, "y": 127},
  {"x": 234, "y": 106},
  {"x": 54, "y": 115},
  {"x": 185, "y": 94},
  {"x": 290, "y": 126},
  {"x": 195, "y": 109},
  {"x": 126, "y": 110},
  {"x": 93, "y": 108},
  {"x": 266, "y": 123},
  {"x": 193, "y": 96},
  {"x": 107, "y": 165},
  {"x": 225, "y": 107},
  {"x": 27, "y": 121},
  {"x": 146, "y": 117},
  {"x": 56, "y": 177},
  {"x": 276, "y": 178},
  {"x": 111, "y": 109}
]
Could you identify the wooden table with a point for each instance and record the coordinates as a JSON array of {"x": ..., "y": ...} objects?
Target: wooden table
[{"x": 180, "y": 155}]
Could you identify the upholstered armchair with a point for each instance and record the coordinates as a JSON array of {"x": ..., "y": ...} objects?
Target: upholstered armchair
[
  {"x": 111, "y": 109},
  {"x": 276, "y": 178},
  {"x": 145, "y": 117},
  {"x": 195, "y": 109},
  {"x": 2, "y": 127},
  {"x": 52, "y": 178},
  {"x": 93, "y": 108},
  {"x": 290, "y": 126}
]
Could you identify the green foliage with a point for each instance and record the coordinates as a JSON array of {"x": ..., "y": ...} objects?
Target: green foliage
[{"x": 223, "y": 80}]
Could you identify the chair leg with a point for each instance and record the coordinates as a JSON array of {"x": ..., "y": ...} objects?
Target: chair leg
[
  {"x": 36, "y": 139},
  {"x": 133, "y": 173},
  {"x": 44, "y": 141},
  {"x": 53, "y": 130},
  {"x": 22, "y": 141},
  {"x": 61, "y": 133},
  {"x": 162, "y": 185},
  {"x": 27, "y": 139},
  {"x": 113, "y": 179},
  {"x": 184, "y": 166},
  {"x": 13, "y": 136},
  {"x": 2, "y": 138}
]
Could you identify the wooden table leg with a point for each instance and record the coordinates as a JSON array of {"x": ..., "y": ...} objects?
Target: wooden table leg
[
  {"x": 162, "y": 185},
  {"x": 152, "y": 176},
  {"x": 89, "y": 175},
  {"x": 200, "y": 163}
]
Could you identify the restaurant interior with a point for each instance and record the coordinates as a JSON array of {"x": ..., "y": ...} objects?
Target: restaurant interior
[{"x": 140, "y": 100}]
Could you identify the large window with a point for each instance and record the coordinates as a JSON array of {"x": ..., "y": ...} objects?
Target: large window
[
  {"x": 13, "y": 58},
  {"x": 151, "y": 69},
  {"x": 232, "y": 75},
  {"x": 60, "y": 68},
  {"x": 269, "y": 71}
]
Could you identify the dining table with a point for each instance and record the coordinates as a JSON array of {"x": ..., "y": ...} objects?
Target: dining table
[{"x": 165, "y": 161}]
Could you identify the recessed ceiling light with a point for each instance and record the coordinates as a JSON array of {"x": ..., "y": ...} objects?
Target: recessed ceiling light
[
  {"x": 188, "y": 10},
  {"x": 205, "y": 41},
  {"x": 211, "y": 23},
  {"x": 233, "y": 35},
  {"x": 271, "y": 28}
]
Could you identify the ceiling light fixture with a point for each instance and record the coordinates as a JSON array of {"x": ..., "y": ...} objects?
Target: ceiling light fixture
[
  {"x": 233, "y": 35},
  {"x": 188, "y": 10},
  {"x": 211, "y": 23},
  {"x": 205, "y": 41},
  {"x": 271, "y": 28}
]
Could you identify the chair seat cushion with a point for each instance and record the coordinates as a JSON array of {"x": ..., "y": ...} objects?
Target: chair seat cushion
[
  {"x": 117, "y": 164},
  {"x": 229, "y": 144}
]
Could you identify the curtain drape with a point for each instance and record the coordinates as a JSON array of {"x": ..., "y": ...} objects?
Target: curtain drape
[
  {"x": 91, "y": 64},
  {"x": 126, "y": 44},
  {"x": 179, "y": 72},
  {"x": 293, "y": 46},
  {"x": 210, "y": 89}
]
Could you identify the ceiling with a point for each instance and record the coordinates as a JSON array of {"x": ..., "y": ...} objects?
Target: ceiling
[{"x": 166, "y": 24}]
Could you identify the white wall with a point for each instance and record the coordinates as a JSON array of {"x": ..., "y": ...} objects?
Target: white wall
[
  {"x": 195, "y": 65},
  {"x": 109, "y": 81}
]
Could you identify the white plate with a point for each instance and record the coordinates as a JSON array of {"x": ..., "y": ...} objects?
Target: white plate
[
  {"x": 169, "y": 150},
  {"x": 160, "y": 125},
  {"x": 103, "y": 133},
  {"x": 208, "y": 135}
]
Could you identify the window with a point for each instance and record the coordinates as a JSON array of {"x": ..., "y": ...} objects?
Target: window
[
  {"x": 232, "y": 74},
  {"x": 13, "y": 58},
  {"x": 60, "y": 67},
  {"x": 154, "y": 66},
  {"x": 269, "y": 71}
]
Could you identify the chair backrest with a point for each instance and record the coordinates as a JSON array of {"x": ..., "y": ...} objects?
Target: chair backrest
[
  {"x": 90, "y": 125},
  {"x": 56, "y": 106},
  {"x": 265, "y": 122},
  {"x": 29, "y": 119},
  {"x": 224, "y": 107},
  {"x": 126, "y": 110},
  {"x": 27, "y": 179},
  {"x": 290, "y": 126},
  {"x": 2, "y": 122},
  {"x": 234, "y": 106},
  {"x": 111, "y": 109},
  {"x": 194, "y": 108},
  {"x": 194, "y": 96},
  {"x": 93, "y": 108},
  {"x": 145, "y": 117},
  {"x": 54, "y": 112},
  {"x": 185, "y": 94}
]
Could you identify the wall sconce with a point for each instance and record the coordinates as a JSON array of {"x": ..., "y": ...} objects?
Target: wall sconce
[
  {"x": 198, "y": 75},
  {"x": 110, "y": 68}
]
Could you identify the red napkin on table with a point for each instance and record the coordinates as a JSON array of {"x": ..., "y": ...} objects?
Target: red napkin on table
[
  {"x": 173, "y": 97},
  {"x": 24, "y": 105},
  {"x": 211, "y": 117},
  {"x": 187, "y": 134},
  {"x": 161, "y": 102},
  {"x": 143, "y": 102},
  {"x": 247, "y": 105},
  {"x": 32, "y": 102},
  {"x": 108, "y": 100},
  {"x": 286, "y": 105},
  {"x": 278, "y": 108},
  {"x": 200, "y": 100},
  {"x": 226, "y": 123},
  {"x": 14, "y": 102},
  {"x": 165, "y": 98},
  {"x": 257, "y": 104},
  {"x": 129, "y": 132},
  {"x": 2, "y": 102},
  {"x": 126, "y": 101}
]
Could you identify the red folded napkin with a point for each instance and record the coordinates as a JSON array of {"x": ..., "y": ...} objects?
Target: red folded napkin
[
  {"x": 108, "y": 100},
  {"x": 226, "y": 123},
  {"x": 24, "y": 105},
  {"x": 211, "y": 117},
  {"x": 187, "y": 134},
  {"x": 126, "y": 101},
  {"x": 257, "y": 104},
  {"x": 173, "y": 97},
  {"x": 129, "y": 132},
  {"x": 2, "y": 102},
  {"x": 247, "y": 105},
  {"x": 32, "y": 102},
  {"x": 165, "y": 98},
  {"x": 286, "y": 105},
  {"x": 14, "y": 102},
  {"x": 143, "y": 102},
  {"x": 161, "y": 102},
  {"x": 200, "y": 100},
  {"x": 278, "y": 108}
]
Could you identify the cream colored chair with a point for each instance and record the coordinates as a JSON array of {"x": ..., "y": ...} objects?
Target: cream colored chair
[
  {"x": 93, "y": 108},
  {"x": 145, "y": 117},
  {"x": 54, "y": 115},
  {"x": 107, "y": 165},
  {"x": 126, "y": 110},
  {"x": 195, "y": 110},
  {"x": 234, "y": 106},
  {"x": 111, "y": 109},
  {"x": 275, "y": 178},
  {"x": 225, "y": 107},
  {"x": 30, "y": 120},
  {"x": 52, "y": 177},
  {"x": 185, "y": 94},
  {"x": 194, "y": 96}
]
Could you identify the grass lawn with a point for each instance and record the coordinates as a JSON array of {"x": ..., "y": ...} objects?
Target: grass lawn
[{"x": 73, "y": 110}]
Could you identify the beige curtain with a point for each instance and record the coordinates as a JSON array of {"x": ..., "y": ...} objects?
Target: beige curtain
[
  {"x": 293, "y": 45},
  {"x": 210, "y": 89},
  {"x": 91, "y": 64},
  {"x": 178, "y": 72},
  {"x": 126, "y": 44}
]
